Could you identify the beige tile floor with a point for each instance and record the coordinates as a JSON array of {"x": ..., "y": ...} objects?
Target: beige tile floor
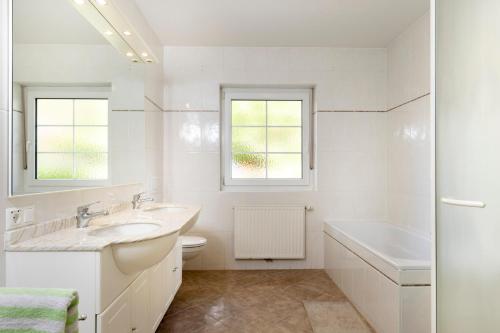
[{"x": 247, "y": 301}]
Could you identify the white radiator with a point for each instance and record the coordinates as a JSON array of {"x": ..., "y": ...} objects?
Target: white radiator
[{"x": 269, "y": 232}]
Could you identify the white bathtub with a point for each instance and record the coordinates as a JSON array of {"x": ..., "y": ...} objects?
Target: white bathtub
[
  {"x": 402, "y": 256},
  {"x": 384, "y": 270}
]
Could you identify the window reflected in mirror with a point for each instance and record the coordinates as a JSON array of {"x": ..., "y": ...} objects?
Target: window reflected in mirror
[
  {"x": 71, "y": 139},
  {"x": 78, "y": 116}
]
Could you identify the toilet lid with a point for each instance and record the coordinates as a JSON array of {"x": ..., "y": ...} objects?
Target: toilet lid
[{"x": 193, "y": 241}]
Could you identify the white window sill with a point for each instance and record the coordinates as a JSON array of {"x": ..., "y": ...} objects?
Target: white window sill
[{"x": 267, "y": 188}]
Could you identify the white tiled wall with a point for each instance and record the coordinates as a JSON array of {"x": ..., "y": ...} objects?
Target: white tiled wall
[
  {"x": 4, "y": 22},
  {"x": 370, "y": 165},
  {"x": 3, "y": 184},
  {"x": 408, "y": 63},
  {"x": 409, "y": 145},
  {"x": 351, "y": 149},
  {"x": 346, "y": 79}
]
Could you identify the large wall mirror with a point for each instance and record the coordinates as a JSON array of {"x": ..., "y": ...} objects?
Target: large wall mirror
[{"x": 78, "y": 103}]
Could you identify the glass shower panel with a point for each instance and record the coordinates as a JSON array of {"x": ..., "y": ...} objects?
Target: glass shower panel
[{"x": 467, "y": 165}]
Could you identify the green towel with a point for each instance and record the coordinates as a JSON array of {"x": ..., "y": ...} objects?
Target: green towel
[{"x": 26, "y": 310}]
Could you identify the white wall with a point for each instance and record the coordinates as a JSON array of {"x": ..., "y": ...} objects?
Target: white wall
[
  {"x": 351, "y": 163},
  {"x": 4, "y": 106},
  {"x": 408, "y": 63},
  {"x": 370, "y": 165},
  {"x": 18, "y": 142},
  {"x": 63, "y": 204},
  {"x": 409, "y": 145}
]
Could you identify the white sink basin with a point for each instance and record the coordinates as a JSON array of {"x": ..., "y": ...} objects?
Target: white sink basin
[
  {"x": 165, "y": 209},
  {"x": 136, "y": 256},
  {"x": 174, "y": 209},
  {"x": 129, "y": 229}
]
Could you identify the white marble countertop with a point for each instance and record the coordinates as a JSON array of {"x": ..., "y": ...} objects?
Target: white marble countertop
[{"x": 81, "y": 239}]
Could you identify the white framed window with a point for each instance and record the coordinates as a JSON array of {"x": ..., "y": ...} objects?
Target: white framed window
[
  {"x": 265, "y": 138},
  {"x": 67, "y": 136}
]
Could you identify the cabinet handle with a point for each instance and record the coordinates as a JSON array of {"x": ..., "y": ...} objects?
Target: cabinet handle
[
  {"x": 134, "y": 329},
  {"x": 82, "y": 317},
  {"x": 175, "y": 269}
]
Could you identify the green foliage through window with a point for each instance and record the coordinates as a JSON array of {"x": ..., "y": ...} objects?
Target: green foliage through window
[
  {"x": 71, "y": 139},
  {"x": 266, "y": 139}
]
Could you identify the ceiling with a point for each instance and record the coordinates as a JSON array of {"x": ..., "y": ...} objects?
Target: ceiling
[
  {"x": 51, "y": 22},
  {"x": 340, "y": 23}
]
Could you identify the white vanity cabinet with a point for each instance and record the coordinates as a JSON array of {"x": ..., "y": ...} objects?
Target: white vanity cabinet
[
  {"x": 112, "y": 301},
  {"x": 117, "y": 317},
  {"x": 140, "y": 305},
  {"x": 165, "y": 279}
]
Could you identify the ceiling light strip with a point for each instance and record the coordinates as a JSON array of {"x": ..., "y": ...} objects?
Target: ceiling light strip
[{"x": 112, "y": 25}]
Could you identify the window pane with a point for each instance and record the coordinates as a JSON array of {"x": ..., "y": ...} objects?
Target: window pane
[
  {"x": 91, "y": 112},
  {"x": 248, "y": 113},
  {"x": 284, "y": 139},
  {"x": 249, "y": 166},
  {"x": 284, "y": 113},
  {"x": 54, "y": 166},
  {"x": 91, "y": 139},
  {"x": 249, "y": 139},
  {"x": 91, "y": 166},
  {"x": 284, "y": 166},
  {"x": 54, "y": 139},
  {"x": 54, "y": 111}
]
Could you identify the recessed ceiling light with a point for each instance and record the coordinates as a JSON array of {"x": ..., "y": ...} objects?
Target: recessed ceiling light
[
  {"x": 130, "y": 54},
  {"x": 101, "y": 2},
  {"x": 108, "y": 32},
  {"x": 79, "y": 2},
  {"x": 144, "y": 54},
  {"x": 127, "y": 33}
]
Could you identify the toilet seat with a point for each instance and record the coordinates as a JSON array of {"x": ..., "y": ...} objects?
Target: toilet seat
[{"x": 193, "y": 241}]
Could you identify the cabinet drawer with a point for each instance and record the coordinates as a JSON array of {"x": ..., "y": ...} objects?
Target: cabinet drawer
[{"x": 116, "y": 318}]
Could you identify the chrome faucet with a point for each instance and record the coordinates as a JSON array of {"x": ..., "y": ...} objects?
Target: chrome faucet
[
  {"x": 138, "y": 199},
  {"x": 83, "y": 216}
]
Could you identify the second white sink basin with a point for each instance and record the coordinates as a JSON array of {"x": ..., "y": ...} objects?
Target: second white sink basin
[
  {"x": 165, "y": 209},
  {"x": 158, "y": 210},
  {"x": 129, "y": 229}
]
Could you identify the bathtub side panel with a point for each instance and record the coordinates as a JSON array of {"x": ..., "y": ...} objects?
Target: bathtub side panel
[
  {"x": 387, "y": 306},
  {"x": 374, "y": 295},
  {"x": 416, "y": 309}
]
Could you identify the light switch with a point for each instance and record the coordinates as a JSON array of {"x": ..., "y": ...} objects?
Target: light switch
[{"x": 29, "y": 215}]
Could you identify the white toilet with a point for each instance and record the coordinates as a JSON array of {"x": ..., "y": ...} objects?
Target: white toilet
[{"x": 192, "y": 246}]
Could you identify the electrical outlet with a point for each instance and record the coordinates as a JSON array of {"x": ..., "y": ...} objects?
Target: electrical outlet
[{"x": 18, "y": 217}]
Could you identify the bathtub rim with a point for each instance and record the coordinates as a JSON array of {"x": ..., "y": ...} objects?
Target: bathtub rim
[{"x": 403, "y": 272}]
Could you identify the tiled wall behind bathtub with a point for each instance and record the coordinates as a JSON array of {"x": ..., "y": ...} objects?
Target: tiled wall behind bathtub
[
  {"x": 409, "y": 136},
  {"x": 351, "y": 146}
]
